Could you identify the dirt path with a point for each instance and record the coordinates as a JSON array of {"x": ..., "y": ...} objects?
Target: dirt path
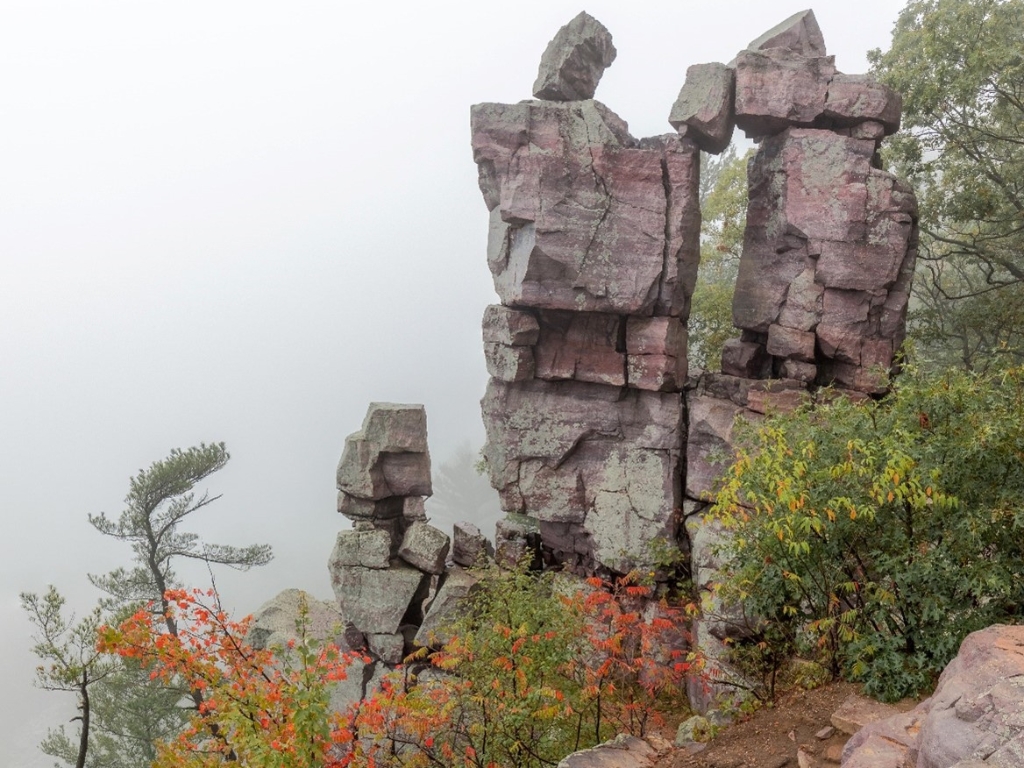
[{"x": 772, "y": 736}]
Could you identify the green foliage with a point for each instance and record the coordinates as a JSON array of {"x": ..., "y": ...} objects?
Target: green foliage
[
  {"x": 875, "y": 536},
  {"x": 158, "y": 501},
  {"x": 71, "y": 663},
  {"x": 128, "y": 711},
  {"x": 497, "y": 692},
  {"x": 724, "y": 212},
  {"x": 960, "y": 67},
  {"x": 534, "y": 670}
]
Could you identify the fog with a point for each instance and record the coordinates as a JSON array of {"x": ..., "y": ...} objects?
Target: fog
[{"x": 244, "y": 221}]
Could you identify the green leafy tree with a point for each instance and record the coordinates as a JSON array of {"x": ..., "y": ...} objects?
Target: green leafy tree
[
  {"x": 128, "y": 710},
  {"x": 875, "y": 536},
  {"x": 724, "y": 212},
  {"x": 159, "y": 500},
  {"x": 71, "y": 663},
  {"x": 960, "y": 67}
]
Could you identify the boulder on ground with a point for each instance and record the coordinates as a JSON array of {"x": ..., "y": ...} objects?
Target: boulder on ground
[
  {"x": 975, "y": 714},
  {"x": 277, "y": 621}
]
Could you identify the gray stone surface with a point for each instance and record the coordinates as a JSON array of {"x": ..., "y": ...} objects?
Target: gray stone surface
[
  {"x": 508, "y": 363},
  {"x": 703, "y": 111},
  {"x": 388, "y": 456},
  {"x": 709, "y": 445},
  {"x": 575, "y": 60},
  {"x": 276, "y": 621},
  {"x": 389, "y": 648},
  {"x": 469, "y": 546},
  {"x": 375, "y": 600},
  {"x": 365, "y": 548},
  {"x": 445, "y": 607},
  {"x": 425, "y": 547},
  {"x": 574, "y": 453}
]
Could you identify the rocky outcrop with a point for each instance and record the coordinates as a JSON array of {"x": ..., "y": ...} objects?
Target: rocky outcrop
[
  {"x": 598, "y": 439},
  {"x": 621, "y": 752},
  {"x": 381, "y": 568},
  {"x": 292, "y": 614},
  {"x": 974, "y": 718},
  {"x": 593, "y": 245}
]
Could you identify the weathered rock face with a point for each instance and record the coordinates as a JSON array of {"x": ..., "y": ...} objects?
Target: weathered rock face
[
  {"x": 583, "y": 216},
  {"x": 574, "y": 60},
  {"x": 276, "y": 621},
  {"x": 597, "y": 441},
  {"x": 593, "y": 245},
  {"x": 381, "y": 569},
  {"x": 785, "y": 79},
  {"x": 599, "y": 460},
  {"x": 828, "y": 257},
  {"x": 704, "y": 110},
  {"x": 975, "y": 716}
]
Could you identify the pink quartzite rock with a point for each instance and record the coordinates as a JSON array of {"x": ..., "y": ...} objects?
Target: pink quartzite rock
[
  {"x": 855, "y": 99},
  {"x": 704, "y": 108},
  {"x": 709, "y": 443},
  {"x": 975, "y": 716},
  {"x": 798, "y": 35},
  {"x": 584, "y": 217},
  {"x": 775, "y": 90},
  {"x": 585, "y": 346},
  {"x": 828, "y": 257},
  {"x": 574, "y": 453},
  {"x": 574, "y": 60}
]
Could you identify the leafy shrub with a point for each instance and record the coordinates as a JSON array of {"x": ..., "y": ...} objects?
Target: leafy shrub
[
  {"x": 533, "y": 672},
  {"x": 877, "y": 535}
]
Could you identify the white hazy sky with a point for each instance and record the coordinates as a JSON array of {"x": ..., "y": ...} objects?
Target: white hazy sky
[{"x": 243, "y": 221}]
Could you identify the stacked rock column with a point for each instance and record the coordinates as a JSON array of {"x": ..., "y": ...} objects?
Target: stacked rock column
[
  {"x": 828, "y": 255},
  {"x": 593, "y": 246},
  {"x": 381, "y": 569}
]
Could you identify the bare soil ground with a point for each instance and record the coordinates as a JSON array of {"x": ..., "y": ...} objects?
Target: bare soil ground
[{"x": 771, "y": 737}]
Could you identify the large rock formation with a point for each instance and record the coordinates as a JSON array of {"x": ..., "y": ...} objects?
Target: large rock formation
[
  {"x": 974, "y": 718},
  {"x": 598, "y": 440},
  {"x": 593, "y": 245}
]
